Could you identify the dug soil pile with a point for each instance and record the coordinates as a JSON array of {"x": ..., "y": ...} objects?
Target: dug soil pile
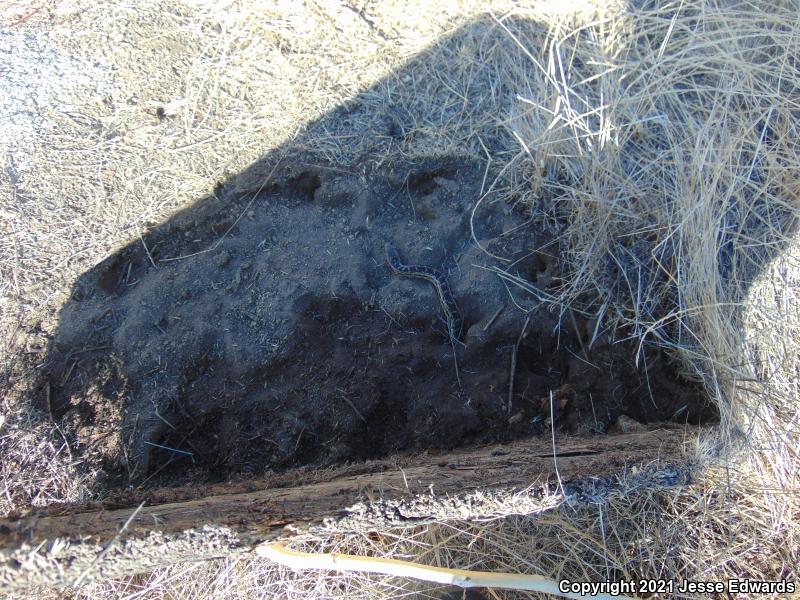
[{"x": 262, "y": 329}]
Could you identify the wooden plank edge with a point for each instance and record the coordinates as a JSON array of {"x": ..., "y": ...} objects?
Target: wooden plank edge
[{"x": 516, "y": 478}]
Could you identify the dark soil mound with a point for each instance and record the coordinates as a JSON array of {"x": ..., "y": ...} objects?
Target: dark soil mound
[{"x": 265, "y": 331}]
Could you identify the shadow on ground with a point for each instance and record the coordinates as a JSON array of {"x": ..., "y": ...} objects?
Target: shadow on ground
[{"x": 261, "y": 328}]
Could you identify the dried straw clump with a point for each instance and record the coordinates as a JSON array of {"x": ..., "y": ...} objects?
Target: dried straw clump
[{"x": 664, "y": 152}]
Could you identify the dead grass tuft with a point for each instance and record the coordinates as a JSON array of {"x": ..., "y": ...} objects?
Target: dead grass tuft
[
  {"x": 38, "y": 468},
  {"x": 663, "y": 151}
]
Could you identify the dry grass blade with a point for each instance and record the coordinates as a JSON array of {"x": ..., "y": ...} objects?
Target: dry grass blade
[{"x": 396, "y": 568}]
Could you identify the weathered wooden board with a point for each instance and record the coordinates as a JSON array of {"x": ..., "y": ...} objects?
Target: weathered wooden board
[{"x": 56, "y": 547}]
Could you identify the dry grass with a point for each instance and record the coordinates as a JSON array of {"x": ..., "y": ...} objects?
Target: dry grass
[{"x": 660, "y": 144}]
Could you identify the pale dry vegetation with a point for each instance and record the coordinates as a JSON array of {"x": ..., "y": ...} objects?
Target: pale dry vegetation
[{"x": 660, "y": 144}]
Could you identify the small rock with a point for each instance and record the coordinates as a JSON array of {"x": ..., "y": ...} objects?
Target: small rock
[{"x": 625, "y": 424}]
